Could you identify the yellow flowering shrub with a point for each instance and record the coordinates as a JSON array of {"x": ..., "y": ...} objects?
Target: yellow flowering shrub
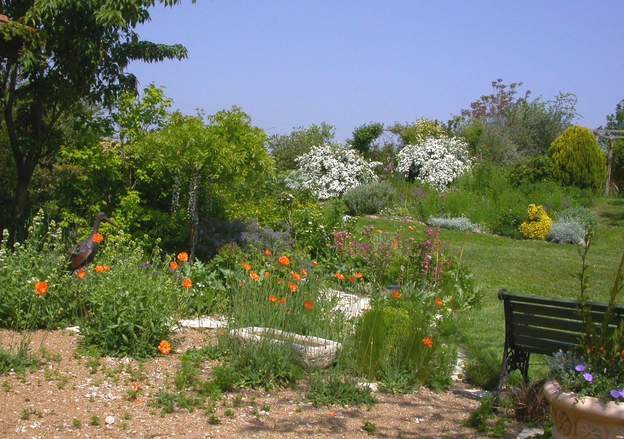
[{"x": 538, "y": 223}]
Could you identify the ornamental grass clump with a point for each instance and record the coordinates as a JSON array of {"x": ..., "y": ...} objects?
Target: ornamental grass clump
[
  {"x": 538, "y": 223},
  {"x": 400, "y": 341}
]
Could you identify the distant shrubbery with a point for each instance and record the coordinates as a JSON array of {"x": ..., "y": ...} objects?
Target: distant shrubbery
[
  {"x": 369, "y": 198},
  {"x": 461, "y": 223}
]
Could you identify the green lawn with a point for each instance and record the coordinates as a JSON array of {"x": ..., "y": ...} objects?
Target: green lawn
[{"x": 532, "y": 267}]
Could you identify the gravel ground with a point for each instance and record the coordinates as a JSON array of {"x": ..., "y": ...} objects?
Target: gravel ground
[{"x": 60, "y": 399}]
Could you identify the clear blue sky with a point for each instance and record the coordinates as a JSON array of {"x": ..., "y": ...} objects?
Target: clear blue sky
[{"x": 346, "y": 62}]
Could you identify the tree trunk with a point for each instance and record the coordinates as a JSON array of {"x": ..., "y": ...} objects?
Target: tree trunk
[{"x": 22, "y": 199}]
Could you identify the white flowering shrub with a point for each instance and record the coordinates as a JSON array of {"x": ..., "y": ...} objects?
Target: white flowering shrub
[
  {"x": 435, "y": 161},
  {"x": 330, "y": 170}
]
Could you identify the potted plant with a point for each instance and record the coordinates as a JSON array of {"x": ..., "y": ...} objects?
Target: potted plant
[{"x": 586, "y": 392}]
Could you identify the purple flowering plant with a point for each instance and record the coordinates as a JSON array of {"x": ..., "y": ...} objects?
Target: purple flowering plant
[{"x": 597, "y": 368}]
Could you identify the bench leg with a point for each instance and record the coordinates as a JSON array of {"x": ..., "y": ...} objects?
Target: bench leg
[{"x": 513, "y": 359}]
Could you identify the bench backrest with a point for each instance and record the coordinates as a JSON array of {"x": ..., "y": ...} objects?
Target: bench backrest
[{"x": 543, "y": 326}]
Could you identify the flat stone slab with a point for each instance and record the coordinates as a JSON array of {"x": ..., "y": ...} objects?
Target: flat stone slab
[
  {"x": 310, "y": 351},
  {"x": 204, "y": 322},
  {"x": 351, "y": 305}
]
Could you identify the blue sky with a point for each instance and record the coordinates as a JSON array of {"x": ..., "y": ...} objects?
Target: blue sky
[{"x": 291, "y": 63}]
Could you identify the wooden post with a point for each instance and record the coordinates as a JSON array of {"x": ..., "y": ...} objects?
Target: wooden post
[{"x": 609, "y": 163}]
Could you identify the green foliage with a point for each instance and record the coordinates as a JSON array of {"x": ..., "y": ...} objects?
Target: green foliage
[
  {"x": 369, "y": 198},
  {"x": 364, "y": 137},
  {"x": 40, "y": 258},
  {"x": 263, "y": 366},
  {"x": 577, "y": 159},
  {"x": 536, "y": 169},
  {"x": 415, "y": 133},
  {"x": 286, "y": 148},
  {"x": 483, "y": 368},
  {"x": 136, "y": 116},
  {"x": 401, "y": 337},
  {"x": 369, "y": 427},
  {"x": 18, "y": 361},
  {"x": 331, "y": 389},
  {"x": 91, "y": 45},
  {"x": 132, "y": 307}
]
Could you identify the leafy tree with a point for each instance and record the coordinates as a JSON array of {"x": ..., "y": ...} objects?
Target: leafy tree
[
  {"x": 59, "y": 55},
  {"x": 615, "y": 121},
  {"x": 222, "y": 162},
  {"x": 578, "y": 159},
  {"x": 286, "y": 148},
  {"x": 364, "y": 137},
  {"x": 417, "y": 132},
  {"x": 507, "y": 126}
]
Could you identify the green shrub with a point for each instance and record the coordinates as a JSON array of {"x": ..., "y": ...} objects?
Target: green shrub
[
  {"x": 330, "y": 389},
  {"x": 483, "y": 369},
  {"x": 370, "y": 198},
  {"x": 536, "y": 169},
  {"x": 133, "y": 306},
  {"x": 42, "y": 257},
  {"x": 577, "y": 159},
  {"x": 398, "y": 341}
]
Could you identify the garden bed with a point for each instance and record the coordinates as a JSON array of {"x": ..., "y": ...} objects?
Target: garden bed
[{"x": 62, "y": 397}]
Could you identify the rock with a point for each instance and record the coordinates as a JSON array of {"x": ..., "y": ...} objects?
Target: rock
[
  {"x": 373, "y": 387},
  {"x": 309, "y": 351},
  {"x": 351, "y": 305},
  {"x": 473, "y": 393},
  {"x": 204, "y": 322},
  {"x": 530, "y": 432},
  {"x": 73, "y": 329},
  {"x": 109, "y": 420}
]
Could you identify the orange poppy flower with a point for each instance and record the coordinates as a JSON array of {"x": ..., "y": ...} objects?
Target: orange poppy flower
[
  {"x": 304, "y": 272},
  {"x": 439, "y": 302},
  {"x": 246, "y": 266},
  {"x": 97, "y": 238},
  {"x": 272, "y": 298},
  {"x": 396, "y": 295},
  {"x": 254, "y": 276},
  {"x": 187, "y": 283},
  {"x": 173, "y": 265},
  {"x": 81, "y": 274},
  {"x": 352, "y": 279},
  {"x": 267, "y": 274},
  {"x": 100, "y": 269},
  {"x": 41, "y": 288},
  {"x": 107, "y": 268},
  {"x": 358, "y": 275},
  {"x": 134, "y": 386},
  {"x": 268, "y": 252},
  {"x": 183, "y": 257},
  {"x": 340, "y": 276},
  {"x": 283, "y": 261},
  {"x": 308, "y": 305},
  {"x": 427, "y": 342},
  {"x": 164, "y": 347},
  {"x": 293, "y": 288},
  {"x": 296, "y": 276},
  {"x": 282, "y": 301}
]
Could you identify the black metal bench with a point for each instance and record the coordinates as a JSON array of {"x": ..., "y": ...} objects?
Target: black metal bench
[{"x": 539, "y": 325}]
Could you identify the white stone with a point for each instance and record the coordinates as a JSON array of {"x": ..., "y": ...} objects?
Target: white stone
[
  {"x": 351, "y": 305},
  {"x": 204, "y": 322},
  {"x": 310, "y": 351},
  {"x": 373, "y": 387},
  {"x": 530, "y": 432},
  {"x": 73, "y": 329},
  {"x": 109, "y": 420}
]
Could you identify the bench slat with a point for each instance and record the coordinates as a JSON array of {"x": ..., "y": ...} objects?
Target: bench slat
[
  {"x": 542, "y": 333},
  {"x": 542, "y": 345},
  {"x": 547, "y": 322},
  {"x": 562, "y": 313}
]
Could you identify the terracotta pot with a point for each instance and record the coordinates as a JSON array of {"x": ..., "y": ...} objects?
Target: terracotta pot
[{"x": 583, "y": 418}]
